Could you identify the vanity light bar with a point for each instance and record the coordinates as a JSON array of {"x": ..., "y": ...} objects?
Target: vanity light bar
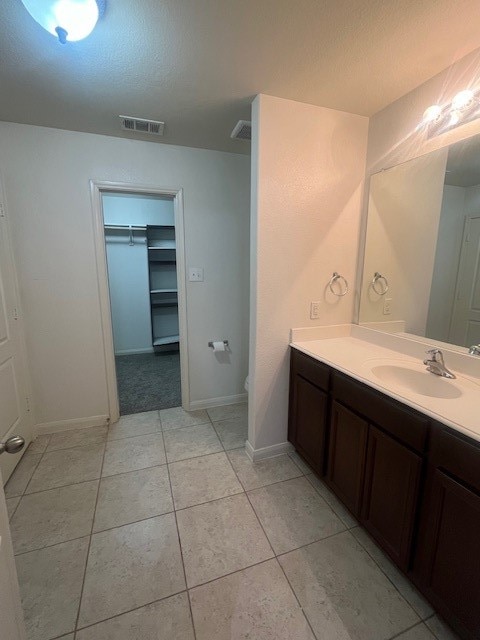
[{"x": 464, "y": 108}]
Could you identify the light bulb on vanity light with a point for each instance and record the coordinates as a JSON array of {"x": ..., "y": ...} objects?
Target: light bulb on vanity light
[
  {"x": 463, "y": 100},
  {"x": 432, "y": 114},
  {"x": 70, "y": 20},
  {"x": 455, "y": 117}
]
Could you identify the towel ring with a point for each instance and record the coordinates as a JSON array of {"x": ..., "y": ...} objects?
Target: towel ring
[
  {"x": 376, "y": 278},
  {"x": 336, "y": 276}
]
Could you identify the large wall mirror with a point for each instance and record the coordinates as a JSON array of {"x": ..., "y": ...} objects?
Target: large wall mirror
[{"x": 422, "y": 251}]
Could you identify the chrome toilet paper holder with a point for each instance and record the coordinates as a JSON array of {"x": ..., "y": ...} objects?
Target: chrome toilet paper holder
[{"x": 210, "y": 344}]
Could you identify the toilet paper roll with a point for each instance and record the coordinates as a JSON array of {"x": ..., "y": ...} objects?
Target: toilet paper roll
[{"x": 218, "y": 345}]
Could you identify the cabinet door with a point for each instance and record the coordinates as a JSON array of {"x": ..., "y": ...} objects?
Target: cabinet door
[
  {"x": 450, "y": 552},
  {"x": 308, "y": 418},
  {"x": 346, "y": 457},
  {"x": 392, "y": 479}
]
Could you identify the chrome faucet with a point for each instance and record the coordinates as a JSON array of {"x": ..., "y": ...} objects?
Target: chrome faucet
[
  {"x": 435, "y": 364},
  {"x": 474, "y": 350}
]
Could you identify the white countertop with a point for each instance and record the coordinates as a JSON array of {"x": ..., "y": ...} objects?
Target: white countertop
[{"x": 355, "y": 351}]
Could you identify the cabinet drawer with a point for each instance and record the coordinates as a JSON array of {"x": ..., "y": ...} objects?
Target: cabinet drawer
[
  {"x": 457, "y": 455},
  {"x": 312, "y": 370},
  {"x": 393, "y": 417}
]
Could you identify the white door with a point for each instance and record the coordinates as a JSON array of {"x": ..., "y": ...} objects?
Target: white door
[
  {"x": 465, "y": 324},
  {"x": 15, "y": 418},
  {"x": 11, "y": 617}
]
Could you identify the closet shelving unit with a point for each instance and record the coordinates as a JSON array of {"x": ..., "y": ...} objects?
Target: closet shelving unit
[{"x": 162, "y": 271}]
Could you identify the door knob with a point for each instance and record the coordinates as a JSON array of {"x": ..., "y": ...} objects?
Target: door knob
[{"x": 12, "y": 444}]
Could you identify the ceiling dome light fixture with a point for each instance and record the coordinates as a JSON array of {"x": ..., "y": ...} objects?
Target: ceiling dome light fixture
[{"x": 70, "y": 20}]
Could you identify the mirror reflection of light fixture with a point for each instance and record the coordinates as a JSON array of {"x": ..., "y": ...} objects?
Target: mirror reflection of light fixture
[
  {"x": 70, "y": 20},
  {"x": 464, "y": 108}
]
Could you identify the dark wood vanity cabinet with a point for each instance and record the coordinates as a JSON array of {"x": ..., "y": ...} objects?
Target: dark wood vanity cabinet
[
  {"x": 308, "y": 408},
  {"x": 376, "y": 470},
  {"x": 447, "y": 564},
  {"x": 390, "y": 496},
  {"x": 346, "y": 456},
  {"x": 412, "y": 483}
]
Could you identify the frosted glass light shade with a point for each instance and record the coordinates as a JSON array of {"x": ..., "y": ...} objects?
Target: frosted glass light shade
[
  {"x": 76, "y": 18},
  {"x": 463, "y": 99},
  {"x": 432, "y": 114}
]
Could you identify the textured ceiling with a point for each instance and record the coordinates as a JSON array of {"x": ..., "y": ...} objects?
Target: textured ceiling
[{"x": 197, "y": 65}]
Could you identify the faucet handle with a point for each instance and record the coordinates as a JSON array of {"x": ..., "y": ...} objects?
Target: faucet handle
[{"x": 436, "y": 355}]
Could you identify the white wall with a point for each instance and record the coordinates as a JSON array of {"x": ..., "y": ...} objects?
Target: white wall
[
  {"x": 403, "y": 218},
  {"x": 128, "y": 266},
  {"x": 447, "y": 257},
  {"x": 128, "y": 208},
  {"x": 46, "y": 174},
  {"x": 308, "y": 166}
]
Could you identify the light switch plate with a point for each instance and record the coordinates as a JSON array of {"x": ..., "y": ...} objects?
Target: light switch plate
[
  {"x": 387, "y": 306},
  {"x": 195, "y": 274}
]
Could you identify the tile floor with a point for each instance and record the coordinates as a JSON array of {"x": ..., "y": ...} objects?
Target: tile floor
[{"x": 160, "y": 528}]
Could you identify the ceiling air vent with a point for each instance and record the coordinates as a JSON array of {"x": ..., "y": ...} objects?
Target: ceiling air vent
[
  {"x": 242, "y": 130},
  {"x": 140, "y": 125}
]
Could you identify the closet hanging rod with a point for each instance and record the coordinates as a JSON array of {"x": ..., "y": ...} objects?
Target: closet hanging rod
[{"x": 126, "y": 226}]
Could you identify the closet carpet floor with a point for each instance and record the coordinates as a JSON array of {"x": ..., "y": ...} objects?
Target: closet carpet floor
[
  {"x": 148, "y": 382},
  {"x": 161, "y": 528}
]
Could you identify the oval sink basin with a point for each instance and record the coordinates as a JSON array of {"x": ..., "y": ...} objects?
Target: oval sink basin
[{"x": 418, "y": 381}]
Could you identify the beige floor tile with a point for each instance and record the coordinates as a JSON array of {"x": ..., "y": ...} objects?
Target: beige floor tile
[
  {"x": 232, "y": 432},
  {"x": 177, "y": 418},
  {"x": 12, "y": 504},
  {"x": 69, "y": 637},
  {"x": 293, "y": 514},
  {"x": 77, "y": 438},
  {"x": 182, "y": 444},
  {"x": 39, "y": 445},
  {"x": 440, "y": 629},
  {"x": 330, "y": 498},
  {"x": 229, "y": 412},
  {"x": 343, "y": 593},
  {"x": 54, "y": 516},
  {"x": 168, "y": 619},
  {"x": 256, "y": 603},
  {"x": 300, "y": 462},
  {"x": 258, "y": 474},
  {"x": 131, "y": 454},
  {"x": 136, "y": 424},
  {"x": 202, "y": 479},
  {"x": 133, "y": 496},
  {"x": 51, "y": 583},
  {"x": 131, "y": 566},
  {"x": 20, "y": 478},
  {"x": 220, "y": 537},
  {"x": 419, "y": 632},
  {"x": 406, "y": 588},
  {"x": 67, "y": 466}
]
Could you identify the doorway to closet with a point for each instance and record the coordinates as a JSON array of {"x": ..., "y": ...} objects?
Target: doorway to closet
[{"x": 141, "y": 256}]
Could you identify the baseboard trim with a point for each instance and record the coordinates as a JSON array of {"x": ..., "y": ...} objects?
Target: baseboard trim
[
  {"x": 267, "y": 452},
  {"x": 132, "y": 352},
  {"x": 68, "y": 425},
  {"x": 217, "y": 402}
]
